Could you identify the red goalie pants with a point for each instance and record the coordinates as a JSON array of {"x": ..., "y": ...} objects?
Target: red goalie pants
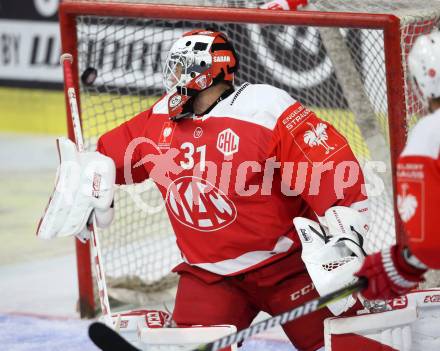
[{"x": 205, "y": 298}]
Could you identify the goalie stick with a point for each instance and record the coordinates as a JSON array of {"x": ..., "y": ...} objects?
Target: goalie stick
[
  {"x": 108, "y": 339},
  {"x": 66, "y": 61}
]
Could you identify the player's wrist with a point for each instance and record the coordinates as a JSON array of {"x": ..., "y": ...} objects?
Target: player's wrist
[
  {"x": 399, "y": 271},
  {"x": 413, "y": 261}
]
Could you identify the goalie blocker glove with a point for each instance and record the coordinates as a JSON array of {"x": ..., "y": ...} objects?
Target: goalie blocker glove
[{"x": 390, "y": 274}]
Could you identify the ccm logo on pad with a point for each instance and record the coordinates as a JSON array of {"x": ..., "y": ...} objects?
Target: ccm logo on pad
[{"x": 303, "y": 291}]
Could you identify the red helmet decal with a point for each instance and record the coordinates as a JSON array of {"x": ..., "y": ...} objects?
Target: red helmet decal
[{"x": 223, "y": 58}]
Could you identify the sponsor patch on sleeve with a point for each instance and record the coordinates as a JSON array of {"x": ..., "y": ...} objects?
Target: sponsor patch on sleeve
[
  {"x": 317, "y": 139},
  {"x": 410, "y": 200}
]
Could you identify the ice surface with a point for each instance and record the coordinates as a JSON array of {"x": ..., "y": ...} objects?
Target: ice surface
[
  {"x": 38, "y": 282},
  {"x": 44, "y": 287},
  {"x": 25, "y": 333}
]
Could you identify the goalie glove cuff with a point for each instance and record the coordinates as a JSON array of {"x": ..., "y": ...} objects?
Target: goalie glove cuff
[
  {"x": 401, "y": 278},
  {"x": 386, "y": 276},
  {"x": 408, "y": 263}
]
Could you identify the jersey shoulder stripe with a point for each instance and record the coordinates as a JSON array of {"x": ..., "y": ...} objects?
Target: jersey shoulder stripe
[
  {"x": 260, "y": 104},
  {"x": 424, "y": 138},
  {"x": 161, "y": 105}
]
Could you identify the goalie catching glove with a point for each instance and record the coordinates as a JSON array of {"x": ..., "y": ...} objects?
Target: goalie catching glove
[
  {"x": 333, "y": 252},
  {"x": 85, "y": 183}
]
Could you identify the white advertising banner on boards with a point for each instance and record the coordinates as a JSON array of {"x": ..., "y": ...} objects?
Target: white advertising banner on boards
[
  {"x": 131, "y": 54},
  {"x": 30, "y": 51}
]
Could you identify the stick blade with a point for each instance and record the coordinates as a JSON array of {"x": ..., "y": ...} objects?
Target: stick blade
[{"x": 107, "y": 339}]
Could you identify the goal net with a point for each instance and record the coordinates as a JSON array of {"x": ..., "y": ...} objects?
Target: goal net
[{"x": 349, "y": 67}]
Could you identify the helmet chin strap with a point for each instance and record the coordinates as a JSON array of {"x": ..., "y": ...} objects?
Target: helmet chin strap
[
  {"x": 188, "y": 110},
  {"x": 223, "y": 96}
]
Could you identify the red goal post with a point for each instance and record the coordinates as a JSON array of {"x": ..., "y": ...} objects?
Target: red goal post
[{"x": 393, "y": 57}]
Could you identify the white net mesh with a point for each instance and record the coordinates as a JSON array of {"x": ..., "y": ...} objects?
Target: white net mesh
[{"x": 338, "y": 73}]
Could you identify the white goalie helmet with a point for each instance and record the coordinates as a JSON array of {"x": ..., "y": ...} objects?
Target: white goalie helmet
[
  {"x": 187, "y": 59},
  {"x": 196, "y": 61},
  {"x": 424, "y": 66}
]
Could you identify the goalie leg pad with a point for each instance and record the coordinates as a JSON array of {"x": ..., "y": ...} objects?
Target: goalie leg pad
[
  {"x": 153, "y": 330},
  {"x": 407, "y": 323}
]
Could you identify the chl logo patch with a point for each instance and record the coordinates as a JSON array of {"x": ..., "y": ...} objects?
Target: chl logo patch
[
  {"x": 198, "y": 204},
  {"x": 228, "y": 142},
  {"x": 166, "y": 135}
]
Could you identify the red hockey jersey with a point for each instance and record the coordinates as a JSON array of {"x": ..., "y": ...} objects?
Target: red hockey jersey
[
  {"x": 418, "y": 184},
  {"x": 221, "y": 174}
]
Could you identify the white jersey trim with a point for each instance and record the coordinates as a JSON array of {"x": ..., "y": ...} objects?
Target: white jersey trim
[
  {"x": 259, "y": 104},
  {"x": 424, "y": 138},
  {"x": 161, "y": 106},
  {"x": 247, "y": 260}
]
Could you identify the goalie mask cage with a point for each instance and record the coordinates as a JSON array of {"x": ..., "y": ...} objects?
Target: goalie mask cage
[{"x": 348, "y": 65}]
